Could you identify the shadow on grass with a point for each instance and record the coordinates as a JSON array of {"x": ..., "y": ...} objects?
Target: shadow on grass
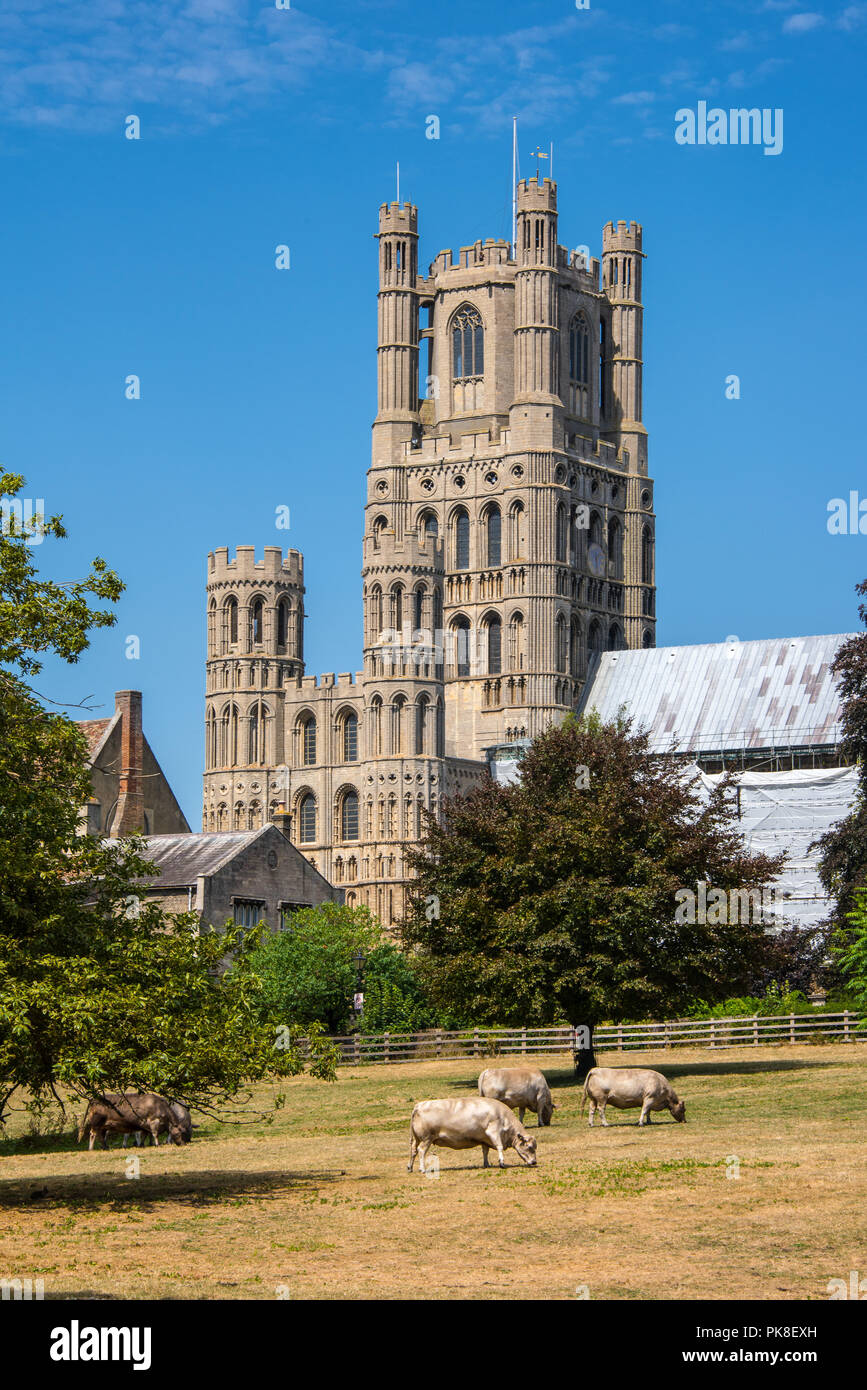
[
  {"x": 116, "y": 1192},
  {"x": 564, "y": 1079}
]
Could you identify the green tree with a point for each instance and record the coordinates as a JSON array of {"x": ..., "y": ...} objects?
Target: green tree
[
  {"x": 92, "y": 997},
  {"x": 556, "y": 896},
  {"x": 395, "y": 998},
  {"x": 850, "y": 949},
  {"x": 306, "y": 972},
  {"x": 843, "y": 848}
]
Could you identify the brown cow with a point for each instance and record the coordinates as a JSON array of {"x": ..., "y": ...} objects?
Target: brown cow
[{"x": 131, "y": 1113}]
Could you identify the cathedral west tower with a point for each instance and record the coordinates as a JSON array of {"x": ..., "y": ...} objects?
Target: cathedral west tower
[{"x": 508, "y": 535}]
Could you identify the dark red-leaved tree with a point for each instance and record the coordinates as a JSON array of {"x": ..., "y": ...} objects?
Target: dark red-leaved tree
[{"x": 554, "y": 899}]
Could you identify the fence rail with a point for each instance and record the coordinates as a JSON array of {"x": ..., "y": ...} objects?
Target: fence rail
[{"x": 756, "y": 1030}]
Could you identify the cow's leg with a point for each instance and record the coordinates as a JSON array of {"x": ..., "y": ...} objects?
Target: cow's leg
[
  {"x": 500, "y": 1153},
  {"x": 485, "y": 1163},
  {"x": 602, "y": 1111},
  {"x": 154, "y": 1131},
  {"x": 103, "y": 1136},
  {"x": 92, "y": 1140},
  {"x": 645, "y": 1113},
  {"x": 592, "y": 1111},
  {"x": 413, "y": 1150},
  {"x": 422, "y": 1153},
  {"x": 521, "y": 1114}
]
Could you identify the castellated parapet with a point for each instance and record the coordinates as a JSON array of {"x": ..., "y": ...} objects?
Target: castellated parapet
[
  {"x": 274, "y": 566},
  {"x": 621, "y": 236},
  {"x": 535, "y": 195}
]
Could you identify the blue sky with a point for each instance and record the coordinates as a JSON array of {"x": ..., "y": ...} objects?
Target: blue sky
[{"x": 262, "y": 126}]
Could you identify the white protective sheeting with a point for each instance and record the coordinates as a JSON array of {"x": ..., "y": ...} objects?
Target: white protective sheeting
[
  {"x": 780, "y": 813},
  {"x": 783, "y": 813}
]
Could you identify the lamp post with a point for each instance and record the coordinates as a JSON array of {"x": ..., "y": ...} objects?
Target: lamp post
[{"x": 358, "y": 998}]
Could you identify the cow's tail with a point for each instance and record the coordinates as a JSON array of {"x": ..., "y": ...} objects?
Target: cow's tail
[
  {"x": 83, "y": 1127},
  {"x": 584, "y": 1096}
]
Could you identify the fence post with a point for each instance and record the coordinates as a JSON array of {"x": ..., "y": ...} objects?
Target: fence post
[
  {"x": 523, "y": 1040},
  {"x": 712, "y": 1033},
  {"x": 620, "y": 1037},
  {"x": 385, "y": 1039},
  {"x": 755, "y": 1030},
  {"x": 846, "y": 1037},
  {"x": 357, "y": 1049},
  {"x": 668, "y": 1035},
  {"x": 475, "y": 1042},
  {"x": 439, "y": 1036},
  {"x": 792, "y": 1029}
]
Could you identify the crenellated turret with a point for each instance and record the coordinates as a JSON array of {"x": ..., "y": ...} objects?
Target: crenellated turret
[
  {"x": 537, "y": 318},
  {"x": 397, "y": 417}
]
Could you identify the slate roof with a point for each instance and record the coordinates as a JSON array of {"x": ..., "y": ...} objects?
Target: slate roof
[
  {"x": 181, "y": 858},
  {"x": 774, "y": 693}
]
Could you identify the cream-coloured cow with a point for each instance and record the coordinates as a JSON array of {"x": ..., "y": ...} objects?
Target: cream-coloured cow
[
  {"x": 521, "y": 1088},
  {"x": 463, "y": 1124},
  {"x": 627, "y": 1087}
]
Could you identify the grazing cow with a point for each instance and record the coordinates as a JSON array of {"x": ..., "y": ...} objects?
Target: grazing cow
[
  {"x": 144, "y": 1113},
  {"x": 626, "y": 1087},
  {"x": 181, "y": 1114},
  {"x": 462, "y": 1124},
  {"x": 521, "y": 1088}
]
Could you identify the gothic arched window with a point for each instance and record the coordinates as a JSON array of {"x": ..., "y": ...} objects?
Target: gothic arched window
[
  {"x": 461, "y": 632},
  {"x": 468, "y": 343},
  {"x": 350, "y": 737},
  {"x": 495, "y": 644},
  {"x": 615, "y": 548},
  {"x": 518, "y": 528},
  {"x": 461, "y": 527},
  {"x": 562, "y": 642},
  {"x": 282, "y": 622},
  {"x": 307, "y": 819},
  {"x": 561, "y": 532},
  {"x": 349, "y": 816},
  {"x": 494, "y": 527},
  {"x": 646, "y": 556},
  {"x": 579, "y": 351},
  {"x": 308, "y": 741},
  {"x": 257, "y": 622},
  {"x": 231, "y": 620}
]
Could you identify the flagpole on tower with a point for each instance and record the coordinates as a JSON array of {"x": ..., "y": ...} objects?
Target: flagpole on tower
[
  {"x": 514, "y": 187},
  {"x": 398, "y": 183}
]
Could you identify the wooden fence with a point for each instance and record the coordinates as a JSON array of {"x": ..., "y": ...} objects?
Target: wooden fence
[{"x": 360, "y": 1048}]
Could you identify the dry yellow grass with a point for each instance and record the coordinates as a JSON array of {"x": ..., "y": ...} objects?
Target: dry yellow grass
[{"x": 320, "y": 1205}]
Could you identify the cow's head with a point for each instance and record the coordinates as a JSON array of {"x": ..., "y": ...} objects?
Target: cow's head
[
  {"x": 546, "y": 1110},
  {"x": 179, "y": 1134},
  {"x": 525, "y": 1148},
  {"x": 678, "y": 1110}
]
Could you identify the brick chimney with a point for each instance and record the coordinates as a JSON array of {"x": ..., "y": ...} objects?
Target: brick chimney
[{"x": 129, "y": 815}]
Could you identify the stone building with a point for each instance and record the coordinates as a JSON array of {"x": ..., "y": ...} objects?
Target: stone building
[
  {"x": 129, "y": 789},
  {"x": 247, "y": 877},
  {"x": 508, "y": 536}
]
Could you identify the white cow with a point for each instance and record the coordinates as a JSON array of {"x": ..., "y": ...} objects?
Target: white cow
[
  {"x": 462, "y": 1124},
  {"x": 627, "y": 1087},
  {"x": 521, "y": 1088}
]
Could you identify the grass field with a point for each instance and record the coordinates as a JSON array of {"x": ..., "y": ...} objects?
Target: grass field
[{"x": 319, "y": 1204}]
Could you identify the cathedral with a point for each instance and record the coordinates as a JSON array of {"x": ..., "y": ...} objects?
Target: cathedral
[{"x": 508, "y": 536}]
